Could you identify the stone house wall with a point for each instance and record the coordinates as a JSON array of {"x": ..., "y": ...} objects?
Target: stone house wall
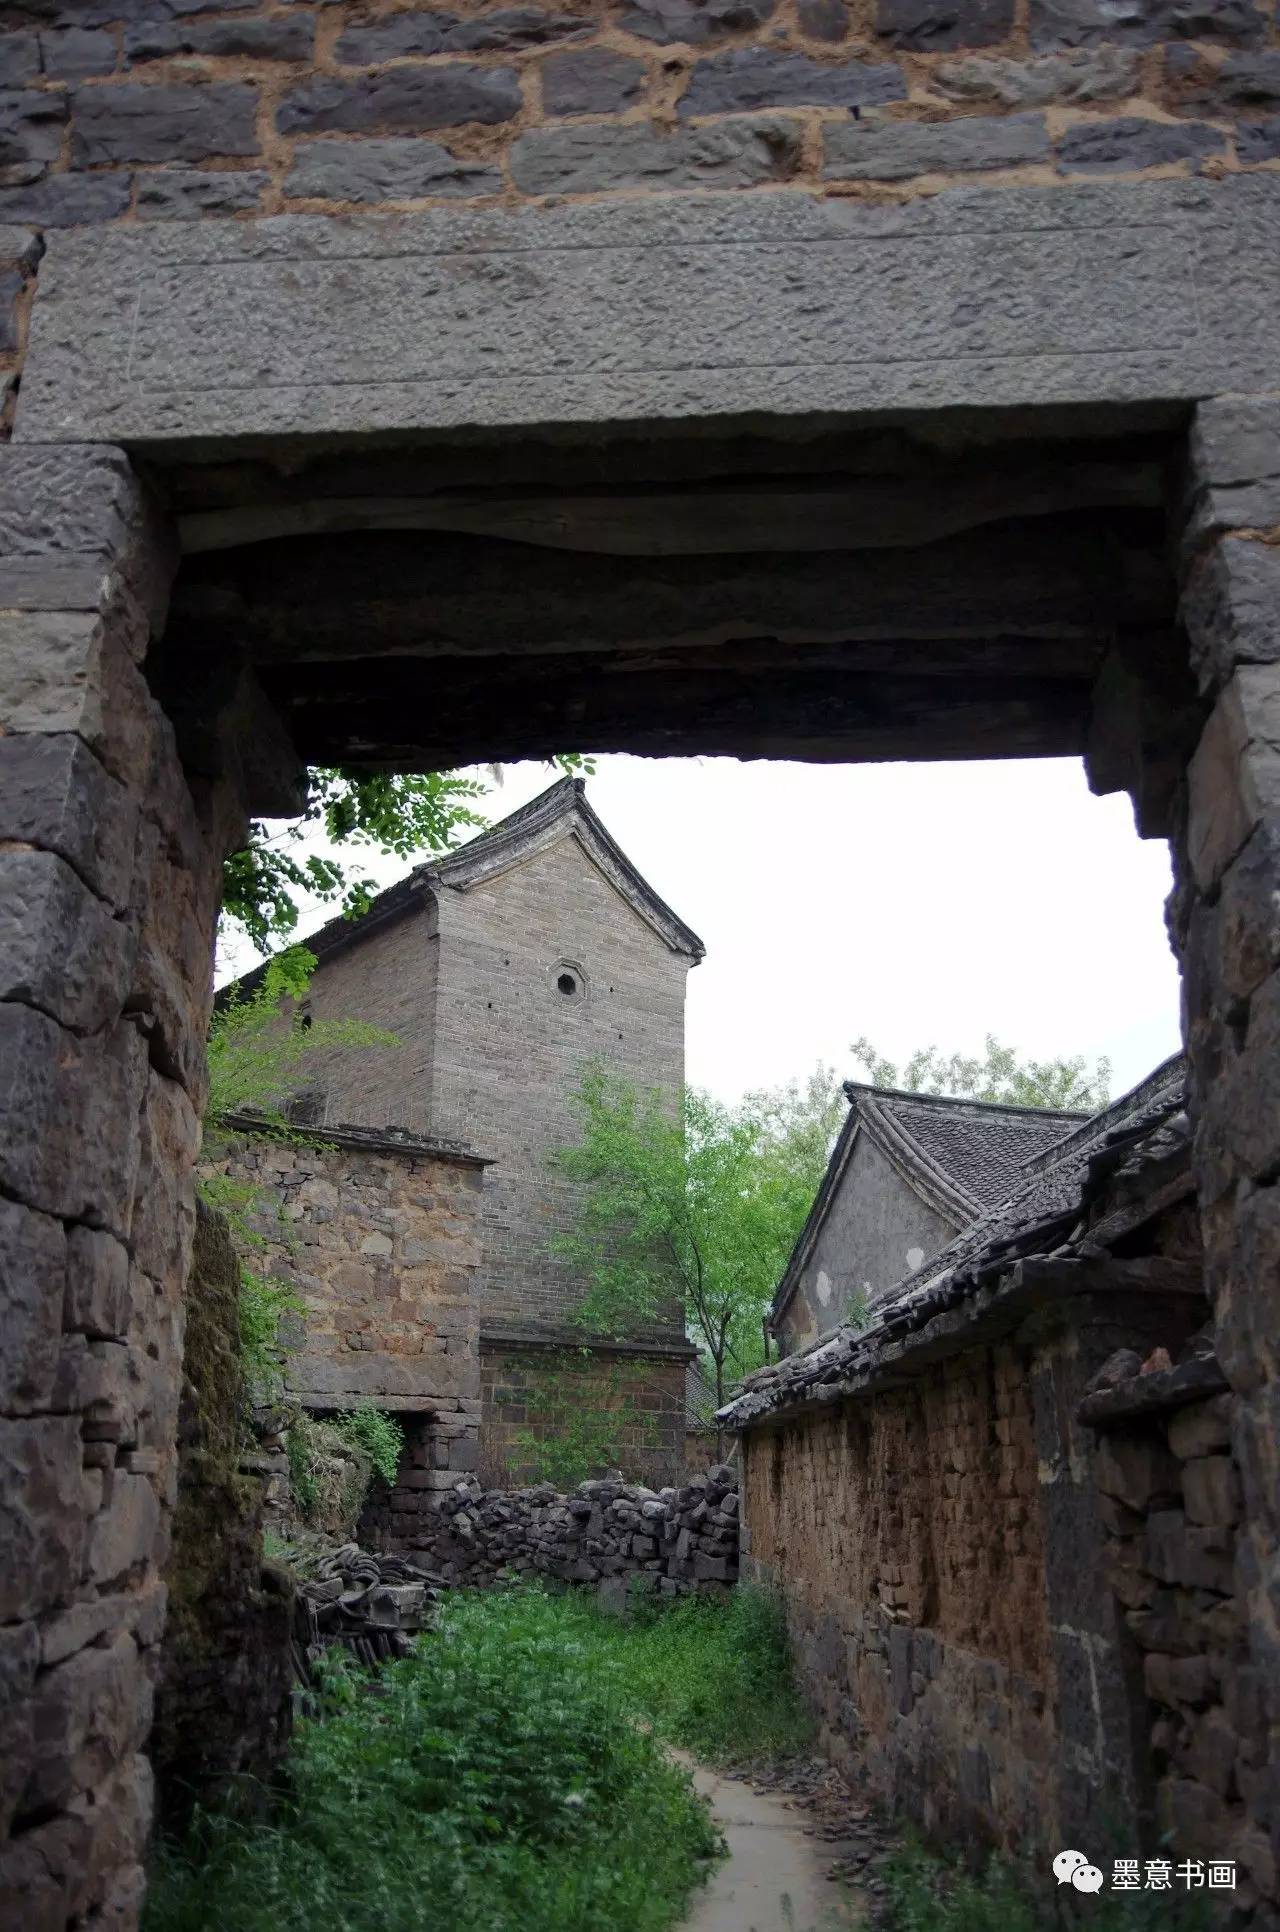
[
  {"x": 874, "y": 1222},
  {"x": 906, "y": 1532},
  {"x": 511, "y": 1049},
  {"x": 379, "y": 1239},
  {"x": 1172, "y": 1506}
]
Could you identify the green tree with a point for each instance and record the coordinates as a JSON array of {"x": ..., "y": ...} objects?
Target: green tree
[
  {"x": 697, "y": 1204},
  {"x": 396, "y": 814},
  {"x": 998, "y": 1073}
]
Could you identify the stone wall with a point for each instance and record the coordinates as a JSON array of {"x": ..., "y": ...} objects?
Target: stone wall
[
  {"x": 377, "y": 1235},
  {"x": 610, "y": 1533},
  {"x": 223, "y": 1702},
  {"x": 906, "y": 1532},
  {"x": 1173, "y": 1507},
  {"x": 111, "y": 862},
  {"x": 143, "y": 112},
  {"x": 619, "y": 1409}
]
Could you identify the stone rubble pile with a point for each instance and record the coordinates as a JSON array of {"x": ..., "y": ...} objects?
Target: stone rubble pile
[
  {"x": 372, "y": 1605},
  {"x": 608, "y": 1532}
]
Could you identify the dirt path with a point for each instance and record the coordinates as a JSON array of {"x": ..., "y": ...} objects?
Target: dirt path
[{"x": 774, "y": 1879}]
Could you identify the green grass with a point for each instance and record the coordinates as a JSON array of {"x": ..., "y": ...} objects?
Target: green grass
[
  {"x": 712, "y": 1674},
  {"x": 925, "y": 1894},
  {"x": 509, "y": 1777}
]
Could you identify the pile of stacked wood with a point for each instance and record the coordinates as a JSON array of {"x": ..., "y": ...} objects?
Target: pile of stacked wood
[{"x": 372, "y": 1606}]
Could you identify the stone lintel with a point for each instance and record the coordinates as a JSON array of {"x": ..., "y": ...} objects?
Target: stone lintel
[{"x": 188, "y": 337}]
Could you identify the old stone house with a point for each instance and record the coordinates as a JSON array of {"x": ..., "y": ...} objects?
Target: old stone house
[
  {"x": 1004, "y": 1513},
  {"x": 908, "y": 1171},
  {"x": 504, "y": 970}
]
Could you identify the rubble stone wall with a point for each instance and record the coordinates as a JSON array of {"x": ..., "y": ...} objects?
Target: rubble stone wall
[
  {"x": 1173, "y": 1507},
  {"x": 144, "y": 112},
  {"x": 620, "y": 1410},
  {"x": 906, "y": 1529},
  {"x": 610, "y": 1533},
  {"x": 377, "y": 1234}
]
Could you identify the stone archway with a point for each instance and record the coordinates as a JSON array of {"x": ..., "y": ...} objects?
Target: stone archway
[{"x": 1066, "y": 519}]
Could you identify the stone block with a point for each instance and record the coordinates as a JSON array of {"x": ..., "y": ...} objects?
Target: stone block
[
  {"x": 1143, "y": 23},
  {"x": 1129, "y": 145},
  {"x": 275, "y": 38},
  {"x": 41, "y": 1870},
  {"x": 1211, "y": 1491},
  {"x": 186, "y": 194},
  {"x": 505, "y": 30},
  {"x": 1086, "y": 75},
  {"x": 67, "y": 672},
  {"x": 1137, "y": 1470},
  {"x": 401, "y": 99},
  {"x": 77, "y": 53},
  {"x": 31, "y": 125},
  {"x": 89, "y": 1714},
  {"x": 42, "y": 1514},
  {"x": 1258, "y": 141},
  {"x": 135, "y": 122},
  {"x": 19, "y": 58},
  {"x": 1201, "y": 1428},
  {"x": 125, "y": 1535},
  {"x": 748, "y": 78},
  {"x": 33, "y": 1272},
  {"x": 1186, "y": 1554},
  {"x": 590, "y": 80},
  {"x": 60, "y": 948},
  {"x": 384, "y": 170},
  {"x": 1236, "y": 440},
  {"x": 58, "y": 797},
  {"x": 163, "y": 1222},
  {"x": 897, "y": 151},
  {"x": 928, "y": 27},
  {"x": 694, "y": 21},
  {"x": 1233, "y": 780},
  {"x": 19, "y": 1661},
  {"x": 587, "y": 160},
  {"x": 69, "y": 1117},
  {"x": 66, "y": 200}
]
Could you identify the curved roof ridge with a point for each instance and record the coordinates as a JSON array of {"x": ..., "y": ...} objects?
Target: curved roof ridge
[
  {"x": 915, "y": 1097},
  {"x": 492, "y": 851}
]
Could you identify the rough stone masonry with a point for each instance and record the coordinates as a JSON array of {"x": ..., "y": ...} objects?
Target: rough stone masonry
[{"x": 953, "y": 287}]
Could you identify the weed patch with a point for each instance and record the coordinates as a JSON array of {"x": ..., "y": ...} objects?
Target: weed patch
[
  {"x": 927, "y": 1895},
  {"x": 497, "y": 1781}
]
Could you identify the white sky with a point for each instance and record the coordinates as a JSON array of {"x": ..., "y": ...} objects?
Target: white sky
[{"x": 910, "y": 903}]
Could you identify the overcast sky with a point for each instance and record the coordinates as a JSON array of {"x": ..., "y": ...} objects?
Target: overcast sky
[{"x": 910, "y": 903}]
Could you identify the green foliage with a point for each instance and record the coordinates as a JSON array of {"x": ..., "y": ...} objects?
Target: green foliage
[
  {"x": 378, "y": 1434},
  {"x": 997, "y": 1074},
  {"x": 927, "y": 1895},
  {"x": 259, "y": 1040},
  {"x": 494, "y": 1782},
  {"x": 710, "y": 1673},
  {"x": 700, "y": 1205},
  {"x": 329, "y": 1474},
  {"x": 580, "y": 1410},
  {"x": 263, "y": 1301},
  {"x": 396, "y": 815}
]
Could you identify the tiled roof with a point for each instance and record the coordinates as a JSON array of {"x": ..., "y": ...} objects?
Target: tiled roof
[
  {"x": 501, "y": 846},
  {"x": 1040, "y": 1217},
  {"x": 975, "y": 1148},
  {"x": 960, "y": 1156}
]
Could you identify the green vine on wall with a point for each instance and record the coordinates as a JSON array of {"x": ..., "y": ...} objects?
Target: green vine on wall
[{"x": 579, "y": 1409}]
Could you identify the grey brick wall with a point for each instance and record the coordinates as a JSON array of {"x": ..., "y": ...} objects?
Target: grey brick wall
[{"x": 490, "y": 1050}]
